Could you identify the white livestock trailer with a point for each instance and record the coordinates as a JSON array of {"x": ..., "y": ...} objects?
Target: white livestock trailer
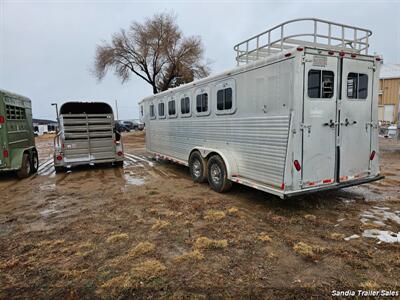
[{"x": 297, "y": 115}]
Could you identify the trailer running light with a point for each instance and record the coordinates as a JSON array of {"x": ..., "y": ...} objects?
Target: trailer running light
[
  {"x": 59, "y": 157},
  {"x": 1, "y": 120},
  {"x": 331, "y": 52},
  {"x": 372, "y": 156},
  {"x": 300, "y": 48},
  {"x": 5, "y": 153},
  {"x": 297, "y": 165},
  {"x": 353, "y": 55},
  {"x": 288, "y": 54},
  {"x": 120, "y": 153},
  {"x": 341, "y": 53}
]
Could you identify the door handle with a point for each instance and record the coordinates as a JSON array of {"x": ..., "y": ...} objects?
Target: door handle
[{"x": 331, "y": 124}]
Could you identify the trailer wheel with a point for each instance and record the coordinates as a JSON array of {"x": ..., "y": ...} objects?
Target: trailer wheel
[
  {"x": 59, "y": 169},
  {"x": 217, "y": 175},
  {"x": 197, "y": 166},
  {"x": 34, "y": 162},
  {"x": 25, "y": 167}
]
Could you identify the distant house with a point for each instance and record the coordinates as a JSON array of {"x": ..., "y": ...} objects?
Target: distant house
[
  {"x": 389, "y": 93},
  {"x": 42, "y": 126}
]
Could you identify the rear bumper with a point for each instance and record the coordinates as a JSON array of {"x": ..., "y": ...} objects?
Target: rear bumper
[
  {"x": 333, "y": 186},
  {"x": 63, "y": 163}
]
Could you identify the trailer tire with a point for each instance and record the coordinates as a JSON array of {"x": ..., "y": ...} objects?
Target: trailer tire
[
  {"x": 198, "y": 167},
  {"x": 34, "y": 162},
  {"x": 118, "y": 164},
  {"x": 217, "y": 174},
  {"x": 25, "y": 169},
  {"x": 59, "y": 169}
]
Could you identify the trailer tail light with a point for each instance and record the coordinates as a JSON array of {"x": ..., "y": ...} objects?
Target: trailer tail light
[
  {"x": 282, "y": 186},
  {"x": 5, "y": 153},
  {"x": 378, "y": 59},
  {"x": 1, "y": 120},
  {"x": 300, "y": 48},
  {"x": 120, "y": 153},
  {"x": 372, "y": 156},
  {"x": 353, "y": 55},
  {"x": 341, "y": 53},
  {"x": 297, "y": 165},
  {"x": 288, "y": 54},
  {"x": 331, "y": 52},
  {"x": 59, "y": 157}
]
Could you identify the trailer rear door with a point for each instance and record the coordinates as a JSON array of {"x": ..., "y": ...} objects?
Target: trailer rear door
[
  {"x": 355, "y": 119},
  {"x": 319, "y": 117}
]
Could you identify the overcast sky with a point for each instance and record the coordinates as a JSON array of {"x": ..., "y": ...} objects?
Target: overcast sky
[{"x": 47, "y": 47}]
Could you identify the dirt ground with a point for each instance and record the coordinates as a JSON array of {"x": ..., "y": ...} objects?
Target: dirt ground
[{"x": 146, "y": 230}]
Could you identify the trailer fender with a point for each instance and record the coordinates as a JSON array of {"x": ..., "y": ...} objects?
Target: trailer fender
[
  {"x": 231, "y": 166},
  {"x": 16, "y": 157}
]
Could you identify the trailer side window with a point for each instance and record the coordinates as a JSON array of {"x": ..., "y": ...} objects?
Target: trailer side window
[
  {"x": 224, "y": 99},
  {"x": 171, "y": 108},
  {"x": 320, "y": 84},
  {"x": 357, "y": 86},
  {"x": 161, "y": 112},
  {"x": 185, "y": 105},
  {"x": 15, "y": 112},
  {"x": 152, "y": 114},
  {"x": 202, "y": 102}
]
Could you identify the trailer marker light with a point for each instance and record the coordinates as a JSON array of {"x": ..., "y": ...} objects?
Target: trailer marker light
[
  {"x": 372, "y": 156},
  {"x": 1, "y": 120},
  {"x": 300, "y": 48},
  {"x": 331, "y": 52},
  {"x": 59, "y": 157},
  {"x": 5, "y": 153},
  {"x": 378, "y": 59},
  {"x": 353, "y": 55},
  {"x": 288, "y": 54},
  {"x": 297, "y": 165},
  {"x": 341, "y": 53},
  {"x": 327, "y": 181},
  {"x": 282, "y": 186},
  {"x": 120, "y": 153}
]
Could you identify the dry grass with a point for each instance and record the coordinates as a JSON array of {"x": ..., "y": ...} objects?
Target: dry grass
[
  {"x": 337, "y": 236},
  {"x": 160, "y": 224},
  {"x": 233, "y": 211},
  {"x": 141, "y": 248},
  {"x": 214, "y": 215},
  {"x": 369, "y": 285},
  {"x": 264, "y": 237},
  {"x": 310, "y": 217},
  {"x": 307, "y": 250},
  {"x": 12, "y": 262},
  {"x": 118, "y": 237},
  {"x": 206, "y": 243},
  {"x": 191, "y": 256},
  {"x": 366, "y": 226},
  {"x": 50, "y": 243},
  {"x": 140, "y": 274}
]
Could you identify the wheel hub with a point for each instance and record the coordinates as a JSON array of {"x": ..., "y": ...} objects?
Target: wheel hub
[
  {"x": 197, "y": 168},
  {"x": 216, "y": 174}
]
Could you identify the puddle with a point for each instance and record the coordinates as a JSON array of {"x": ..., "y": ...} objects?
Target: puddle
[
  {"x": 47, "y": 187},
  {"x": 130, "y": 179}
]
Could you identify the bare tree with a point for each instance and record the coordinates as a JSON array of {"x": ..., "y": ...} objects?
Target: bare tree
[{"x": 156, "y": 51}]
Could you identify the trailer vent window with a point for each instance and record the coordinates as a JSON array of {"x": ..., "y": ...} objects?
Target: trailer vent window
[
  {"x": 141, "y": 110},
  {"x": 161, "y": 112},
  {"x": 15, "y": 112},
  {"x": 224, "y": 99},
  {"x": 185, "y": 105},
  {"x": 171, "y": 108},
  {"x": 152, "y": 114},
  {"x": 202, "y": 102},
  {"x": 357, "y": 86},
  {"x": 320, "y": 84}
]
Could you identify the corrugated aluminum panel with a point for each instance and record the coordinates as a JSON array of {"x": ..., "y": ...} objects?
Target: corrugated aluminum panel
[{"x": 258, "y": 144}]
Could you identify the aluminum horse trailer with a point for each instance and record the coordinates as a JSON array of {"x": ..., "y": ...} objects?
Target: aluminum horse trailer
[
  {"x": 297, "y": 115},
  {"x": 87, "y": 136}
]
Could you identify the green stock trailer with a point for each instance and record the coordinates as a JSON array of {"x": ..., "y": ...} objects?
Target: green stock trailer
[{"x": 18, "y": 151}]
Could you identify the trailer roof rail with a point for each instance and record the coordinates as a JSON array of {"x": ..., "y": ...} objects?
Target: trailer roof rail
[{"x": 308, "y": 32}]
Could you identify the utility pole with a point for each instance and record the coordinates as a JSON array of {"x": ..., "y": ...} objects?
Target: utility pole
[{"x": 116, "y": 108}]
